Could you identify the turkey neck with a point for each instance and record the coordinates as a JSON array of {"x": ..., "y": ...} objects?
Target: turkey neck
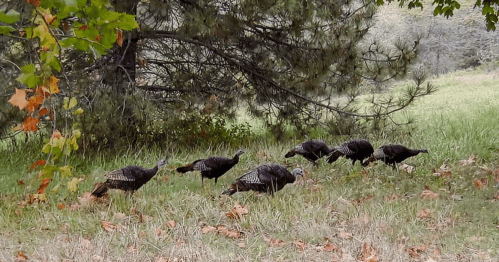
[
  {"x": 414, "y": 152},
  {"x": 151, "y": 172}
]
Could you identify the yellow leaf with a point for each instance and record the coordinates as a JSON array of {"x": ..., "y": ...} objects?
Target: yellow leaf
[
  {"x": 66, "y": 103},
  {"x": 73, "y": 184},
  {"x": 78, "y": 111},
  {"x": 65, "y": 170},
  {"x": 77, "y": 133},
  {"x": 72, "y": 102},
  {"x": 52, "y": 83}
]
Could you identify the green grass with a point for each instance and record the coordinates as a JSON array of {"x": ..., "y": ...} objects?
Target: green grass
[{"x": 453, "y": 123}]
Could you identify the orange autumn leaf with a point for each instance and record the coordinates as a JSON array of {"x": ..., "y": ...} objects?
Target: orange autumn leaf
[
  {"x": 480, "y": 183},
  {"x": 30, "y": 124},
  {"x": 43, "y": 111},
  {"x": 34, "y": 2},
  {"x": 41, "y": 188},
  {"x": 43, "y": 91},
  {"x": 40, "y": 162},
  {"x": 56, "y": 134},
  {"x": 83, "y": 27},
  {"x": 19, "y": 99},
  {"x": 34, "y": 102},
  {"x": 119, "y": 37},
  {"x": 237, "y": 211},
  {"x": 108, "y": 226},
  {"x": 52, "y": 84},
  {"x": 330, "y": 248},
  {"x": 60, "y": 206},
  {"x": 21, "y": 256}
]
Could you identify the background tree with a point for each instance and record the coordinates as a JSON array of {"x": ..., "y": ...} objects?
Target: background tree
[{"x": 300, "y": 63}]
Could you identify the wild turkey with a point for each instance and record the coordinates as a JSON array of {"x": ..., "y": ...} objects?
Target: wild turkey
[
  {"x": 213, "y": 167},
  {"x": 268, "y": 178},
  {"x": 393, "y": 154},
  {"x": 310, "y": 150},
  {"x": 354, "y": 150},
  {"x": 129, "y": 178}
]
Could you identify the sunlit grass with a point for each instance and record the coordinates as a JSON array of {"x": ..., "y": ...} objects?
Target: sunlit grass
[{"x": 380, "y": 207}]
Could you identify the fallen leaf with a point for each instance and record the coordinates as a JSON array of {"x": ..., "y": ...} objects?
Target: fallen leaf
[
  {"x": 424, "y": 213},
  {"x": 119, "y": 216},
  {"x": 428, "y": 194},
  {"x": 223, "y": 230},
  {"x": 456, "y": 197},
  {"x": 480, "y": 183},
  {"x": 19, "y": 99},
  {"x": 362, "y": 200},
  {"x": 330, "y": 248},
  {"x": 241, "y": 244},
  {"x": 345, "y": 235},
  {"x": 496, "y": 176},
  {"x": 20, "y": 182},
  {"x": 60, "y": 206},
  {"x": 34, "y": 102},
  {"x": 299, "y": 244},
  {"x": 443, "y": 171},
  {"x": 132, "y": 249},
  {"x": 144, "y": 218},
  {"x": 274, "y": 242},
  {"x": 21, "y": 256},
  {"x": 41, "y": 188},
  {"x": 207, "y": 229},
  {"x": 407, "y": 168},
  {"x": 159, "y": 231},
  {"x": 368, "y": 254},
  {"x": 237, "y": 211},
  {"x": 171, "y": 224},
  {"x": 108, "y": 226},
  {"x": 416, "y": 251},
  {"x": 471, "y": 160}
]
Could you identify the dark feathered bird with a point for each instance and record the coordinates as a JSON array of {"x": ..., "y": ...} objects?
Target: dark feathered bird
[
  {"x": 393, "y": 154},
  {"x": 129, "y": 178},
  {"x": 310, "y": 150},
  {"x": 268, "y": 178},
  {"x": 354, "y": 150},
  {"x": 213, "y": 167}
]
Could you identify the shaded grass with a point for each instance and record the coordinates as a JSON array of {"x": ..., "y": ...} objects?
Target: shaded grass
[{"x": 380, "y": 207}]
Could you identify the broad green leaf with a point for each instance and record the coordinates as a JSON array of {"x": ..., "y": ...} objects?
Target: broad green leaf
[
  {"x": 51, "y": 58},
  {"x": 47, "y": 171},
  {"x": 73, "y": 184},
  {"x": 66, "y": 171},
  {"x": 28, "y": 76},
  {"x": 127, "y": 22},
  {"x": 9, "y": 17},
  {"x": 5, "y": 30}
]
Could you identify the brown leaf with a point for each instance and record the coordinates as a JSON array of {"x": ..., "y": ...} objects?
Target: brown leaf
[
  {"x": 108, "y": 226},
  {"x": 43, "y": 111},
  {"x": 221, "y": 229},
  {"x": 416, "y": 251},
  {"x": 407, "y": 168},
  {"x": 237, "y": 211},
  {"x": 19, "y": 99},
  {"x": 469, "y": 161},
  {"x": 345, "y": 235},
  {"x": 20, "y": 182},
  {"x": 34, "y": 2},
  {"x": 443, "y": 171},
  {"x": 40, "y": 162},
  {"x": 41, "y": 188},
  {"x": 34, "y": 102},
  {"x": 274, "y": 242},
  {"x": 330, "y": 248},
  {"x": 21, "y": 256},
  {"x": 52, "y": 85},
  {"x": 60, "y": 206},
  {"x": 56, "y": 134},
  {"x": 171, "y": 224},
  {"x": 207, "y": 229},
  {"x": 480, "y": 183},
  {"x": 424, "y": 213},
  {"x": 119, "y": 37},
  {"x": 428, "y": 194},
  {"x": 368, "y": 254},
  {"x": 30, "y": 124},
  {"x": 241, "y": 244},
  {"x": 299, "y": 245}
]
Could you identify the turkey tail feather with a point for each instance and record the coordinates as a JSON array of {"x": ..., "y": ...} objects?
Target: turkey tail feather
[
  {"x": 334, "y": 156},
  {"x": 101, "y": 190}
]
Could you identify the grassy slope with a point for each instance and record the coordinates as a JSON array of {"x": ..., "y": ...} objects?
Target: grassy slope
[{"x": 456, "y": 121}]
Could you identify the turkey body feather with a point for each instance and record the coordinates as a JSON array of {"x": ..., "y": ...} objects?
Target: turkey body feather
[
  {"x": 311, "y": 150},
  {"x": 128, "y": 179},
  {"x": 393, "y": 154},
  {"x": 268, "y": 178},
  {"x": 354, "y": 150},
  {"x": 212, "y": 167}
]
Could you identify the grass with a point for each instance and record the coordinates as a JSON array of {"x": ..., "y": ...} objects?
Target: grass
[{"x": 337, "y": 204}]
